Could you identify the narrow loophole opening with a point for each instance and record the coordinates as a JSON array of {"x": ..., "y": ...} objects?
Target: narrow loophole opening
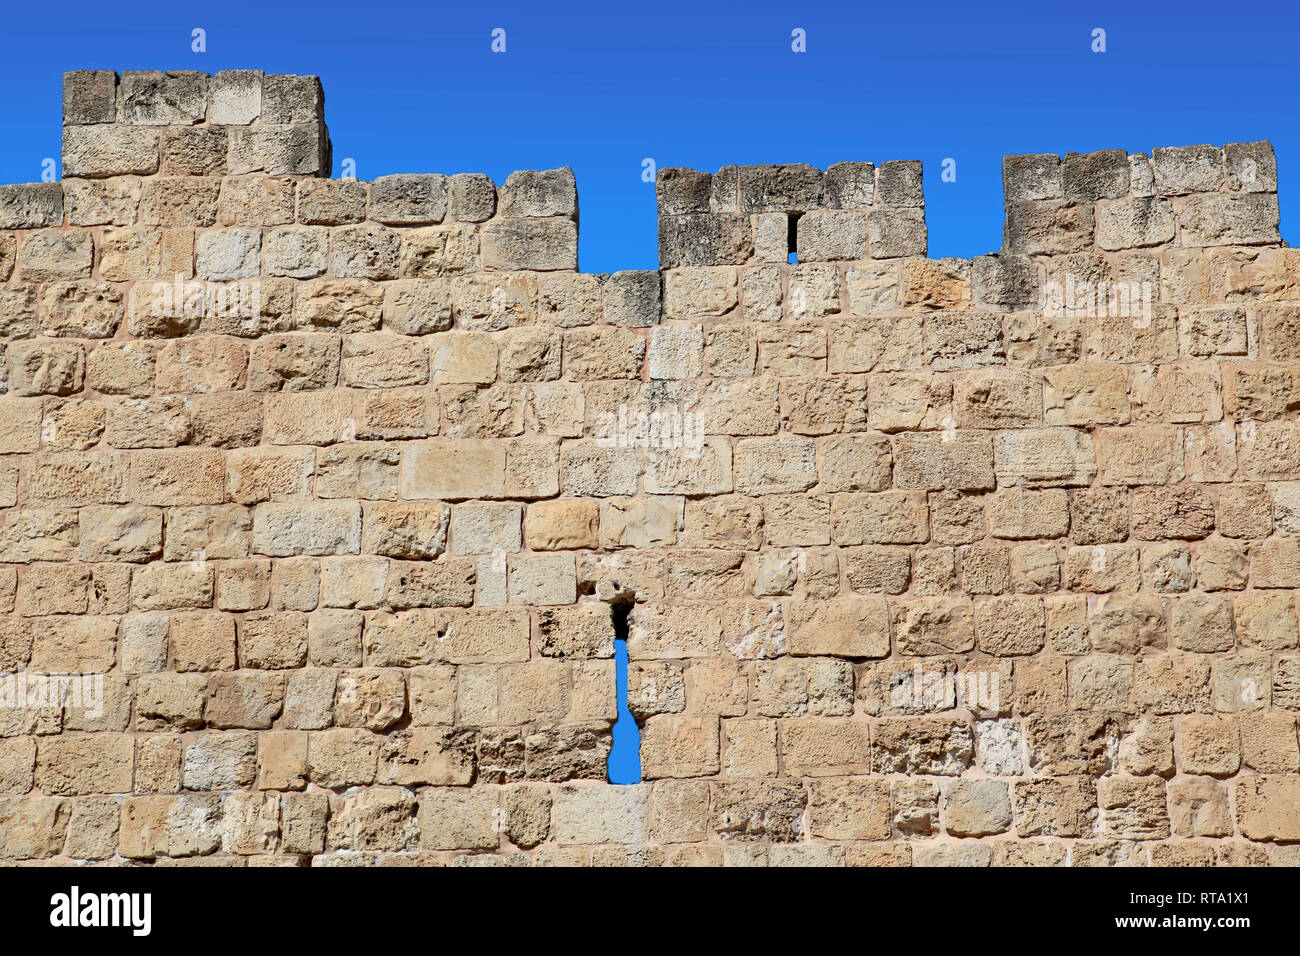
[
  {"x": 625, "y": 753},
  {"x": 792, "y": 239}
]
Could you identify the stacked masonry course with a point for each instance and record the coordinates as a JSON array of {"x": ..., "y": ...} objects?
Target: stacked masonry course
[{"x": 338, "y": 487}]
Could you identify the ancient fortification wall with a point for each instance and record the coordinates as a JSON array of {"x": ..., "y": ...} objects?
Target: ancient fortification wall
[{"x": 328, "y": 499}]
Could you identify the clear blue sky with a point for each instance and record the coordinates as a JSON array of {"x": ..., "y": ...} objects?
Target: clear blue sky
[{"x": 601, "y": 86}]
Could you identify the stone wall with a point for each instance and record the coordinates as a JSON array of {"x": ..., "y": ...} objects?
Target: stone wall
[{"x": 327, "y": 499}]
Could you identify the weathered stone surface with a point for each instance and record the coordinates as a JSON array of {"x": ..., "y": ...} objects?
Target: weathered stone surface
[{"x": 349, "y": 494}]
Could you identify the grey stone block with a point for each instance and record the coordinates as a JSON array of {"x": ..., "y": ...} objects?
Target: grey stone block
[
  {"x": 89, "y": 96},
  {"x": 1188, "y": 169},
  {"x": 1252, "y": 167},
  {"x": 771, "y": 236},
  {"x": 331, "y": 202},
  {"x": 1134, "y": 223},
  {"x": 702, "y": 240},
  {"x": 1031, "y": 176},
  {"x": 101, "y": 202},
  {"x": 790, "y": 188},
  {"x": 109, "y": 150},
  {"x": 831, "y": 235},
  {"x": 1005, "y": 282},
  {"x": 155, "y": 98},
  {"x": 543, "y": 245},
  {"x": 633, "y": 299},
  {"x": 897, "y": 232},
  {"x": 724, "y": 191},
  {"x": 898, "y": 183},
  {"x": 235, "y": 97},
  {"x": 850, "y": 185},
  {"x": 409, "y": 199},
  {"x": 288, "y": 99},
  {"x": 1092, "y": 176},
  {"x": 1232, "y": 219},
  {"x": 297, "y": 150},
  {"x": 1047, "y": 227},
  {"x": 681, "y": 192},
  {"x": 1142, "y": 176},
  {"x": 532, "y": 193},
  {"x": 473, "y": 197},
  {"x": 31, "y": 205},
  {"x": 194, "y": 151}
]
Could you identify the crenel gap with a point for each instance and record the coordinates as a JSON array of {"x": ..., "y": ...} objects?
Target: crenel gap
[{"x": 625, "y": 754}]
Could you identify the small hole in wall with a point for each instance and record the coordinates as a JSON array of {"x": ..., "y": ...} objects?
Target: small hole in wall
[
  {"x": 625, "y": 754},
  {"x": 792, "y": 239}
]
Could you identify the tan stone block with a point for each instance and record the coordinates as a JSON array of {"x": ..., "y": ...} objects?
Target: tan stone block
[
  {"x": 1044, "y": 457},
  {"x": 1065, "y": 806},
  {"x": 341, "y": 758},
  {"x": 84, "y": 763},
  {"x": 430, "y": 755},
  {"x": 1021, "y": 513},
  {"x": 1149, "y": 748},
  {"x": 949, "y": 460},
  {"x": 73, "y": 645},
  {"x": 1266, "y": 807},
  {"x": 975, "y": 808},
  {"x": 679, "y": 746},
  {"x": 243, "y": 700},
  {"x": 750, "y": 748},
  {"x": 1268, "y": 742},
  {"x": 561, "y": 524},
  {"x": 845, "y": 627},
  {"x": 1275, "y": 563},
  {"x": 1245, "y": 511},
  {"x": 891, "y": 517},
  {"x": 459, "y": 819},
  {"x": 1208, "y": 744},
  {"x": 1265, "y": 620},
  {"x": 906, "y": 400},
  {"x": 1086, "y": 395},
  {"x": 1198, "y": 807},
  {"x": 856, "y": 463},
  {"x": 1172, "y": 684},
  {"x": 825, "y": 746},
  {"x": 849, "y": 809},
  {"x": 599, "y": 814},
  {"x": 179, "y": 477},
  {"x": 877, "y": 569},
  {"x": 282, "y": 761},
  {"x": 923, "y": 627},
  {"x": 716, "y": 687},
  {"x": 1147, "y": 455},
  {"x": 797, "y": 520},
  {"x": 673, "y": 631},
  {"x": 997, "y": 398},
  {"x": 1133, "y": 808},
  {"x": 453, "y": 635},
  {"x": 1177, "y": 393},
  {"x": 1071, "y": 743},
  {"x": 1126, "y": 623},
  {"x": 1008, "y": 626},
  {"x": 985, "y": 568}
]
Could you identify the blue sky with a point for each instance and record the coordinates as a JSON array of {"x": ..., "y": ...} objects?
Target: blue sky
[
  {"x": 414, "y": 87},
  {"x": 604, "y": 86}
]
